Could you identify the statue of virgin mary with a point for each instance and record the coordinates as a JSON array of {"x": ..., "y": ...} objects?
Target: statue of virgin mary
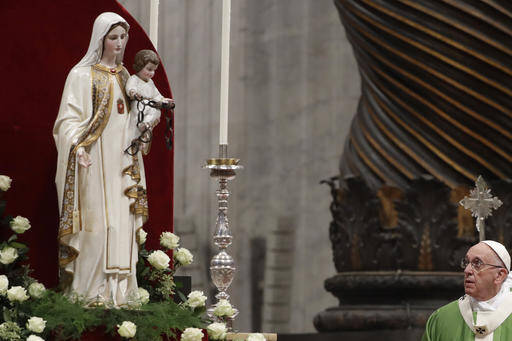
[{"x": 101, "y": 189}]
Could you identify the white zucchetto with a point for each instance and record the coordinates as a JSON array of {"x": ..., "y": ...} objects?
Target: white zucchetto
[{"x": 501, "y": 251}]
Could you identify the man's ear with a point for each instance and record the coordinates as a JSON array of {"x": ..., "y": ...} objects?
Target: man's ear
[{"x": 501, "y": 276}]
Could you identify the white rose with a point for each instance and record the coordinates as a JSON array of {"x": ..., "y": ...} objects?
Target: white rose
[
  {"x": 184, "y": 256},
  {"x": 256, "y": 337},
  {"x": 196, "y": 299},
  {"x": 143, "y": 295},
  {"x": 223, "y": 308},
  {"x": 141, "y": 236},
  {"x": 19, "y": 224},
  {"x": 159, "y": 259},
  {"x": 4, "y": 284},
  {"x": 36, "y": 290},
  {"x": 34, "y": 338},
  {"x": 36, "y": 324},
  {"x": 127, "y": 329},
  {"x": 192, "y": 334},
  {"x": 5, "y": 182},
  {"x": 17, "y": 293},
  {"x": 8, "y": 255},
  {"x": 217, "y": 331},
  {"x": 169, "y": 240}
]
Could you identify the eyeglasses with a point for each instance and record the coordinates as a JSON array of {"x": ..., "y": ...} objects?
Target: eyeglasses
[{"x": 476, "y": 264}]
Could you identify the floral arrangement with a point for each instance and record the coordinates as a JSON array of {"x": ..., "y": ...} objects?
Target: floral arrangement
[
  {"x": 31, "y": 312},
  {"x": 16, "y": 286},
  {"x": 156, "y": 281}
]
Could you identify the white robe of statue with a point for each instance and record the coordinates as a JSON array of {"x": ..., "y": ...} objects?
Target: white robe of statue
[{"x": 102, "y": 206}]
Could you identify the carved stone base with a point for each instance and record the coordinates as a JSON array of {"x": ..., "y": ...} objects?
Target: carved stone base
[
  {"x": 388, "y": 287},
  {"x": 372, "y": 317},
  {"x": 387, "y": 300}
]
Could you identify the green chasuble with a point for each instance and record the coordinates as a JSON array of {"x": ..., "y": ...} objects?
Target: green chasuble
[{"x": 447, "y": 324}]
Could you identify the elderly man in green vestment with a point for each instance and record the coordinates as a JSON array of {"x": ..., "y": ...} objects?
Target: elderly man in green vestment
[{"x": 483, "y": 313}]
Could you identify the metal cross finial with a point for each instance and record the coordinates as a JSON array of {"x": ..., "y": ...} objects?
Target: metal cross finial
[{"x": 481, "y": 203}]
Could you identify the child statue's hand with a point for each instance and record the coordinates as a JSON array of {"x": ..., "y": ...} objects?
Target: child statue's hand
[
  {"x": 132, "y": 94},
  {"x": 168, "y": 103},
  {"x": 84, "y": 159},
  {"x": 143, "y": 126}
]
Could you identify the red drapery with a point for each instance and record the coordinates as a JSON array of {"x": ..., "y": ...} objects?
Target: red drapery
[{"x": 42, "y": 40}]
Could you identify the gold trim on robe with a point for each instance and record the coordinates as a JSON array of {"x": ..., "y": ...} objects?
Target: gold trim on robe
[{"x": 102, "y": 99}]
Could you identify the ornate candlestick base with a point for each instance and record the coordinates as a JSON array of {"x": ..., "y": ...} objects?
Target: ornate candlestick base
[{"x": 222, "y": 265}]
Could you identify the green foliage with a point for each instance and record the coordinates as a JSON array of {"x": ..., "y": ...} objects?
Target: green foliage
[
  {"x": 68, "y": 320},
  {"x": 153, "y": 320}
]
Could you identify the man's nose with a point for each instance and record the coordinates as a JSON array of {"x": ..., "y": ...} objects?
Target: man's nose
[{"x": 468, "y": 269}]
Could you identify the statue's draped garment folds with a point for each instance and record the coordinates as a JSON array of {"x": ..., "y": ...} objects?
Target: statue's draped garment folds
[{"x": 102, "y": 206}]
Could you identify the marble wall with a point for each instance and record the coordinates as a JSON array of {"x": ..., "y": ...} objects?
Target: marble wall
[{"x": 294, "y": 88}]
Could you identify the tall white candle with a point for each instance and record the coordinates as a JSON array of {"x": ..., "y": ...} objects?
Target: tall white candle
[
  {"x": 153, "y": 22},
  {"x": 224, "y": 72}
]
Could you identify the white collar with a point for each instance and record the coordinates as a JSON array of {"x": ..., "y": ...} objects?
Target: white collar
[
  {"x": 491, "y": 304},
  {"x": 486, "y": 321}
]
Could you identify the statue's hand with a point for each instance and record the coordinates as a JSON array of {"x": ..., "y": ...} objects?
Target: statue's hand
[
  {"x": 134, "y": 95},
  {"x": 143, "y": 126},
  {"x": 84, "y": 159},
  {"x": 168, "y": 103}
]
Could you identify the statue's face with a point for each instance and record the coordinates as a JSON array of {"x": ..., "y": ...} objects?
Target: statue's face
[
  {"x": 484, "y": 282},
  {"x": 147, "y": 71},
  {"x": 115, "y": 41}
]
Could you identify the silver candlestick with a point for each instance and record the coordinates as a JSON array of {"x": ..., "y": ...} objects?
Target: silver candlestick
[{"x": 222, "y": 265}]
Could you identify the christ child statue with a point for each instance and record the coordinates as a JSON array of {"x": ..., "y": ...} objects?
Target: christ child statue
[{"x": 140, "y": 86}]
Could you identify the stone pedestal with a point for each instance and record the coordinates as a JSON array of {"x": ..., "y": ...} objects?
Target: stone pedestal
[{"x": 387, "y": 300}]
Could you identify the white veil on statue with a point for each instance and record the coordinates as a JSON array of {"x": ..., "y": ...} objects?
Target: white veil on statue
[{"x": 102, "y": 25}]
